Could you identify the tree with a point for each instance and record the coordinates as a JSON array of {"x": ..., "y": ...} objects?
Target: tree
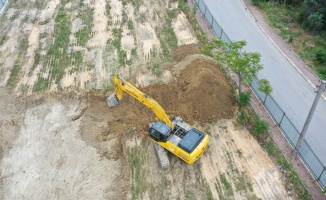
[
  {"x": 314, "y": 12},
  {"x": 316, "y": 21},
  {"x": 245, "y": 65},
  {"x": 265, "y": 87}
]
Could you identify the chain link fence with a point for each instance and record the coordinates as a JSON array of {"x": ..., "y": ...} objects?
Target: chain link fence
[{"x": 291, "y": 133}]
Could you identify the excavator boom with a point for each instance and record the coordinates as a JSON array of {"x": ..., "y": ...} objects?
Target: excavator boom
[{"x": 121, "y": 86}]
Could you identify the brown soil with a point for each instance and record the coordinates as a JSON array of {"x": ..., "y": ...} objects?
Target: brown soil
[
  {"x": 193, "y": 95},
  {"x": 185, "y": 50},
  {"x": 200, "y": 93}
]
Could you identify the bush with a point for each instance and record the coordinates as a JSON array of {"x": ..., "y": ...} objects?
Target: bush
[
  {"x": 320, "y": 56},
  {"x": 322, "y": 72},
  {"x": 255, "y": 2},
  {"x": 243, "y": 117},
  {"x": 259, "y": 125},
  {"x": 244, "y": 99},
  {"x": 316, "y": 21}
]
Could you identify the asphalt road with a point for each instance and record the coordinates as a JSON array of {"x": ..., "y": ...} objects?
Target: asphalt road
[
  {"x": 290, "y": 90},
  {"x": 2, "y": 3}
]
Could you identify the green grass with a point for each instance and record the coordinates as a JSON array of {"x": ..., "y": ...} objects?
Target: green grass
[
  {"x": 306, "y": 44},
  {"x": 201, "y": 36},
  {"x": 37, "y": 59},
  {"x": 41, "y": 84},
  {"x": 3, "y": 39},
  {"x": 77, "y": 59},
  {"x": 14, "y": 73},
  {"x": 189, "y": 195},
  {"x": 130, "y": 25},
  {"x": 108, "y": 8},
  {"x": 137, "y": 158},
  {"x": 45, "y": 22},
  {"x": 57, "y": 58},
  {"x": 208, "y": 195},
  {"x": 59, "y": 50},
  {"x": 116, "y": 43},
  {"x": 157, "y": 70},
  {"x": 43, "y": 35},
  {"x": 219, "y": 190},
  {"x": 83, "y": 36},
  {"x": 168, "y": 40},
  {"x": 227, "y": 187}
]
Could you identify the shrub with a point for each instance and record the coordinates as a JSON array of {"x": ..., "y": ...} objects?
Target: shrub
[
  {"x": 320, "y": 56},
  {"x": 322, "y": 72},
  {"x": 244, "y": 99},
  {"x": 259, "y": 125},
  {"x": 316, "y": 21},
  {"x": 243, "y": 117},
  {"x": 255, "y": 2}
]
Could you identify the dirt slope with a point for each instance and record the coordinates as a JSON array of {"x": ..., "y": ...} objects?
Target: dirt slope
[{"x": 71, "y": 145}]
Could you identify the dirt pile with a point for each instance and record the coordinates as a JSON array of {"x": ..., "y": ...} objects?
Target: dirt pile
[
  {"x": 185, "y": 50},
  {"x": 201, "y": 93}
]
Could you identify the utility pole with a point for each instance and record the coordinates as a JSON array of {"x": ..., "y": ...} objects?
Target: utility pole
[{"x": 306, "y": 124}]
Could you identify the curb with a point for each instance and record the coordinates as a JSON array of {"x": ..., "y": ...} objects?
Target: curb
[{"x": 300, "y": 72}]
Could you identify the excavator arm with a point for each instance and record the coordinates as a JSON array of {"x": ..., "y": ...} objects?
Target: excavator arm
[{"x": 121, "y": 86}]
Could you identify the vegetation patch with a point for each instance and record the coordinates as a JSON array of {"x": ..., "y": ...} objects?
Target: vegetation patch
[
  {"x": 14, "y": 73},
  {"x": 167, "y": 36},
  {"x": 3, "y": 39},
  {"x": 137, "y": 158},
  {"x": 302, "y": 25}
]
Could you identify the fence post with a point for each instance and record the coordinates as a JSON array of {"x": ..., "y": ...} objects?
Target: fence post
[
  {"x": 318, "y": 179},
  {"x": 279, "y": 124},
  {"x": 205, "y": 11},
  {"x": 221, "y": 33},
  {"x": 212, "y": 21}
]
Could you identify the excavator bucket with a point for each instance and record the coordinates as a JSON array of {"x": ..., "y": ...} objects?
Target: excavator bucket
[{"x": 113, "y": 100}]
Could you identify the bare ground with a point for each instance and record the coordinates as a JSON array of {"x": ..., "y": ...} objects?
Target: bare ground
[{"x": 71, "y": 145}]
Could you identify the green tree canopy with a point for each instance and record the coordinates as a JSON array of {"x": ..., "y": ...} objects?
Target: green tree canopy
[
  {"x": 245, "y": 65},
  {"x": 264, "y": 86}
]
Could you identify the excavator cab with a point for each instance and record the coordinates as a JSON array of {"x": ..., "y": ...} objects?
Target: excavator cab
[{"x": 159, "y": 131}]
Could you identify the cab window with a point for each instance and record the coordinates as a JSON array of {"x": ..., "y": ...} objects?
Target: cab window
[{"x": 155, "y": 135}]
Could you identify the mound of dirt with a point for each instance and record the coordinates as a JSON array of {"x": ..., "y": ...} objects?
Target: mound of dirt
[
  {"x": 201, "y": 93},
  {"x": 185, "y": 50}
]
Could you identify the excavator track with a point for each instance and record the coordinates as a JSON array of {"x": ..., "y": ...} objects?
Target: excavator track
[{"x": 162, "y": 156}]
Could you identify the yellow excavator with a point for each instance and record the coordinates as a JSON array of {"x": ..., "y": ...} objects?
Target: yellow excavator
[{"x": 176, "y": 136}]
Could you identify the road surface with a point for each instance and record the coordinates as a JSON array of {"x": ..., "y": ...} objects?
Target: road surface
[{"x": 290, "y": 90}]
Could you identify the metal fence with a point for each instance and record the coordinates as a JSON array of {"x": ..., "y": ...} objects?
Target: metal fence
[{"x": 315, "y": 166}]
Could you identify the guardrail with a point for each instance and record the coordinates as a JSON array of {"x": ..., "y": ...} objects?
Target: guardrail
[{"x": 291, "y": 133}]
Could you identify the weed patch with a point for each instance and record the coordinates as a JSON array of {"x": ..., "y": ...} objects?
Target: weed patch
[
  {"x": 14, "y": 73},
  {"x": 3, "y": 39},
  {"x": 137, "y": 158}
]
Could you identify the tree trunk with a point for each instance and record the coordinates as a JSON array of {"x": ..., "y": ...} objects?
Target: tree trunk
[{"x": 240, "y": 82}]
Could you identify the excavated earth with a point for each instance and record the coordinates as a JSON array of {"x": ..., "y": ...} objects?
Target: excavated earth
[{"x": 71, "y": 145}]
